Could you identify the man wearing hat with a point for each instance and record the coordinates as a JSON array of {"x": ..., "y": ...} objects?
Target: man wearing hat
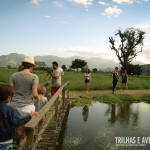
[{"x": 25, "y": 84}]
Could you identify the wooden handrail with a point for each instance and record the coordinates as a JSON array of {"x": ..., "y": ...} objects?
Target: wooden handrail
[
  {"x": 33, "y": 123},
  {"x": 35, "y": 120}
]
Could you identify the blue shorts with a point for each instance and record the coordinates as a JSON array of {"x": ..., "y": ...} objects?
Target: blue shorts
[{"x": 124, "y": 81}]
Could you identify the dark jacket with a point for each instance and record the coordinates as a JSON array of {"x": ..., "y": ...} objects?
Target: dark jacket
[{"x": 10, "y": 118}]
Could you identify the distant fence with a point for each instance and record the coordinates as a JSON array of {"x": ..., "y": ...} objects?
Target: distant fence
[{"x": 30, "y": 127}]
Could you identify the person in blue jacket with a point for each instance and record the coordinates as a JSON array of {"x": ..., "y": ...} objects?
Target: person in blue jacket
[{"x": 10, "y": 118}]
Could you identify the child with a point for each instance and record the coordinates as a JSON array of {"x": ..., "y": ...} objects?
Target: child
[
  {"x": 40, "y": 104},
  {"x": 10, "y": 118}
]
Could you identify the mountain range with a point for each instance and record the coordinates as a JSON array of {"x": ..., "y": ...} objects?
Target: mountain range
[{"x": 14, "y": 60}]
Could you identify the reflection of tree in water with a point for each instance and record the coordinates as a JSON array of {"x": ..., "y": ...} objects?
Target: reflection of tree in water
[
  {"x": 123, "y": 113},
  {"x": 85, "y": 113}
]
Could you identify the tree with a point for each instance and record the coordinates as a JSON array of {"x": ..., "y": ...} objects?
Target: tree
[
  {"x": 95, "y": 70},
  {"x": 131, "y": 44},
  {"x": 9, "y": 66},
  {"x": 134, "y": 69},
  {"x": 40, "y": 65},
  {"x": 78, "y": 63}
]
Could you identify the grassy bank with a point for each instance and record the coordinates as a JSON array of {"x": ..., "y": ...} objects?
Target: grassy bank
[
  {"x": 99, "y": 81},
  {"x": 100, "y": 89},
  {"x": 119, "y": 98},
  {"x": 112, "y": 98}
]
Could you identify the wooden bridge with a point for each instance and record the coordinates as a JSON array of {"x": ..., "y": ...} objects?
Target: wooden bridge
[{"x": 53, "y": 114}]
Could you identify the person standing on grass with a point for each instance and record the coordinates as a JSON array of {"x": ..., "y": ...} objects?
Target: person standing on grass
[
  {"x": 124, "y": 80},
  {"x": 56, "y": 78},
  {"x": 87, "y": 80},
  {"x": 115, "y": 79},
  {"x": 25, "y": 91},
  {"x": 10, "y": 118}
]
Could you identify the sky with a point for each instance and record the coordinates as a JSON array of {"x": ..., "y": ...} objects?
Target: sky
[{"x": 68, "y": 28}]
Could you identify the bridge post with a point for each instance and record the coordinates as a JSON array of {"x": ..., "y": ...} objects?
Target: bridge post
[
  {"x": 63, "y": 97},
  {"x": 63, "y": 93},
  {"x": 68, "y": 91},
  {"x": 56, "y": 110},
  {"x": 30, "y": 138}
]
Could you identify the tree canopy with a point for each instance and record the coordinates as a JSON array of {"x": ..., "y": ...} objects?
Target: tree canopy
[
  {"x": 78, "y": 63},
  {"x": 131, "y": 43},
  {"x": 94, "y": 70},
  {"x": 134, "y": 69}
]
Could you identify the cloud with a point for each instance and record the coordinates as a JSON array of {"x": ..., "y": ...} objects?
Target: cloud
[
  {"x": 82, "y": 2},
  {"x": 123, "y": 1},
  {"x": 103, "y": 3},
  {"x": 146, "y": 50},
  {"x": 144, "y": 56},
  {"x": 36, "y": 2},
  {"x": 141, "y": 1},
  {"x": 63, "y": 22},
  {"x": 112, "y": 11},
  {"x": 58, "y": 4},
  {"x": 97, "y": 52},
  {"x": 142, "y": 26},
  {"x": 47, "y": 16},
  {"x": 88, "y": 52}
]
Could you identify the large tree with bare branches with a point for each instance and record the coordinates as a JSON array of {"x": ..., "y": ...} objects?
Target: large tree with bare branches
[{"x": 131, "y": 43}]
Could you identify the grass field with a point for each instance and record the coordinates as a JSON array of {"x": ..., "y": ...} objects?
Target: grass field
[{"x": 99, "y": 81}]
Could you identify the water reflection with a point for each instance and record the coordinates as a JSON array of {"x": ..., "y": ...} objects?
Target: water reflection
[
  {"x": 122, "y": 113},
  {"x": 85, "y": 113},
  {"x": 95, "y": 127}
]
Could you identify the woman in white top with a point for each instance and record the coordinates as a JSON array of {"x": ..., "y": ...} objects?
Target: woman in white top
[{"x": 87, "y": 80}]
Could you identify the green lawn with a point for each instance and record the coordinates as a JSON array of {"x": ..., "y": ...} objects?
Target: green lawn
[{"x": 99, "y": 81}]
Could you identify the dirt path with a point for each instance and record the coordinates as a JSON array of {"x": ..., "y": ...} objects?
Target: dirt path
[{"x": 75, "y": 94}]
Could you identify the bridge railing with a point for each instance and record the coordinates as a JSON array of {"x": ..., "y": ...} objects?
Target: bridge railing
[{"x": 30, "y": 127}]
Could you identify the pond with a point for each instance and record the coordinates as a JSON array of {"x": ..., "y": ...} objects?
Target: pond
[{"x": 102, "y": 126}]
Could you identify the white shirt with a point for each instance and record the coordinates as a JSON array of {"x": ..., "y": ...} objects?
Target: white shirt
[{"x": 61, "y": 70}]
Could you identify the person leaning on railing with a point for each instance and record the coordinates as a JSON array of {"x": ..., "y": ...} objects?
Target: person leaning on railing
[{"x": 10, "y": 118}]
